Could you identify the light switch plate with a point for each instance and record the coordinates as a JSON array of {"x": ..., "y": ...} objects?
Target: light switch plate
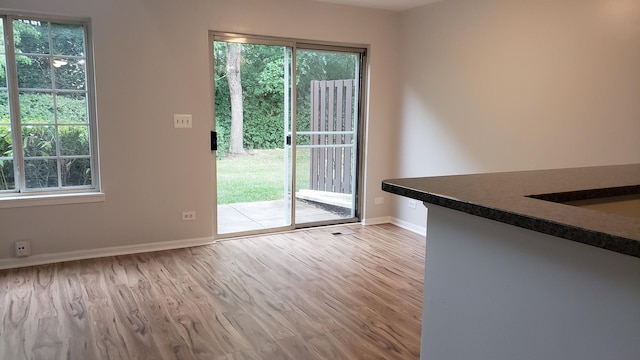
[{"x": 182, "y": 121}]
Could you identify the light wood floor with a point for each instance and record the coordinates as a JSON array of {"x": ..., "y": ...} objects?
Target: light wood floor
[{"x": 302, "y": 295}]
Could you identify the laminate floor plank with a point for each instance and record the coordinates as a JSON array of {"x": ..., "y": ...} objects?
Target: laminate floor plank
[
  {"x": 165, "y": 332},
  {"x": 107, "y": 341},
  {"x": 44, "y": 291},
  {"x": 18, "y": 320},
  {"x": 344, "y": 292},
  {"x": 48, "y": 343},
  {"x": 297, "y": 348},
  {"x": 326, "y": 347},
  {"x": 254, "y": 334},
  {"x": 72, "y": 312},
  {"x": 136, "y": 330},
  {"x": 199, "y": 337}
]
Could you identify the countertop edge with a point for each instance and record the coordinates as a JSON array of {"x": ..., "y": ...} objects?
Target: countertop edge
[{"x": 605, "y": 241}]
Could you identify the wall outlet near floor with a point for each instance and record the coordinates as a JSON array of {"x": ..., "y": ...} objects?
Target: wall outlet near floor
[
  {"x": 23, "y": 248},
  {"x": 378, "y": 200},
  {"x": 412, "y": 204},
  {"x": 182, "y": 121},
  {"x": 188, "y": 215}
]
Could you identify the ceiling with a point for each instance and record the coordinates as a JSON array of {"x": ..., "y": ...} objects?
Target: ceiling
[{"x": 395, "y": 5}]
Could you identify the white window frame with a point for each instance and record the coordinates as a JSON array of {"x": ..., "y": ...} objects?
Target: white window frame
[{"x": 22, "y": 196}]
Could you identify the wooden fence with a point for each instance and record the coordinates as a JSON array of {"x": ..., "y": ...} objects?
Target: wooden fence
[{"x": 332, "y": 139}]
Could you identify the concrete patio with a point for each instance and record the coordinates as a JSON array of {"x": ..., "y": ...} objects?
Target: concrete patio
[{"x": 241, "y": 217}]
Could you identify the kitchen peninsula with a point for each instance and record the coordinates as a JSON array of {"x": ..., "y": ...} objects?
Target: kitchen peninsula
[{"x": 531, "y": 265}]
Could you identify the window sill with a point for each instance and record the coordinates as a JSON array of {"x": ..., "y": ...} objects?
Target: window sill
[{"x": 50, "y": 199}]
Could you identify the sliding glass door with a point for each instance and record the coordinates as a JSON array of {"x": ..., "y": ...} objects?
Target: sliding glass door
[
  {"x": 287, "y": 155},
  {"x": 327, "y": 93}
]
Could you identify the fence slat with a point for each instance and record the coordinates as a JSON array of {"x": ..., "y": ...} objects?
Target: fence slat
[
  {"x": 315, "y": 123},
  {"x": 339, "y": 170},
  {"x": 331, "y": 112},
  {"x": 322, "y": 159},
  {"x": 331, "y": 118},
  {"x": 348, "y": 121}
]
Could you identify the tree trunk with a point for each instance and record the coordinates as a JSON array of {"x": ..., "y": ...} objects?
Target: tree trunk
[{"x": 234, "y": 51}]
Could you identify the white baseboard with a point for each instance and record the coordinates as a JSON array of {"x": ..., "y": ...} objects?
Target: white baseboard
[
  {"x": 377, "y": 221},
  {"x": 102, "y": 252},
  {"x": 409, "y": 226},
  {"x": 395, "y": 221},
  {"x": 159, "y": 246}
]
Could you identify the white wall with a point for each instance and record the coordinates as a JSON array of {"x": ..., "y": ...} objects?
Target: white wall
[
  {"x": 502, "y": 85},
  {"x": 151, "y": 61},
  {"x": 497, "y": 291}
]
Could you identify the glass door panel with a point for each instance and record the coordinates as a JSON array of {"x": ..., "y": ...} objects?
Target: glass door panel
[
  {"x": 252, "y": 110},
  {"x": 327, "y": 99}
]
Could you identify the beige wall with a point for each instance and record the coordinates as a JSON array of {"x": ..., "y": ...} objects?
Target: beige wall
[
  {"x": 151, "y": 61},
  {"x": 458, "y": 86},
  {"x": 501, "y": 85}
]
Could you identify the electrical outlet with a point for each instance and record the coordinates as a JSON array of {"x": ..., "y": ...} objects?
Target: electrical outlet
[
  {"x": 378, "y": 200},
  {"x": 182, "y": 121},
  {"x": 412, "y": 204},
  {"x": 188, "y": 215},
  {"x": 23, "y": 248}
]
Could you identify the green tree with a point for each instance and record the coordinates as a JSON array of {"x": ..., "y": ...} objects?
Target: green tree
[
  {"x": 263, "y": 88},
  {"x": 234, "y": 81}
]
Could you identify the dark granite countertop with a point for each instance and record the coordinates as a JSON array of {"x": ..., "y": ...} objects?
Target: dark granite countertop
[{"x": 526, "y": 199}]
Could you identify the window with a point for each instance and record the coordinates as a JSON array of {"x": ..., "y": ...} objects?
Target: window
[{"x": 47, "y": 112}]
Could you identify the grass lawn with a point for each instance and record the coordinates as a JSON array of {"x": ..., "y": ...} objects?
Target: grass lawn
[{"x": 258, "y": 176}]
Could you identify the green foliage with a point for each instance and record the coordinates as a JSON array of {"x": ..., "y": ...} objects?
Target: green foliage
[
  {"x": 39, "y": 141},
  {"x": 42, "y": 141},
  {"x": 30, "y": 36},
  {"x": 38, "y": 108},
  {"x": 263, "y": 131},
  {"x": 264, "y": 91},
  {"x": 22, "y": 33},
  {"x": 7, "y": 180},
  {"x": 32, "y": 39},
  {"x": 5, "y": 142},
  {"x": 6, "y": 166},
  {"x": 263, "y": 95},
  {"x": 6, "y": 150},
  {"x": 4, "y": 107}
]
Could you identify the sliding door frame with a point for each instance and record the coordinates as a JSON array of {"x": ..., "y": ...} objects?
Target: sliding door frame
[{"x": 296, "y": 44}]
